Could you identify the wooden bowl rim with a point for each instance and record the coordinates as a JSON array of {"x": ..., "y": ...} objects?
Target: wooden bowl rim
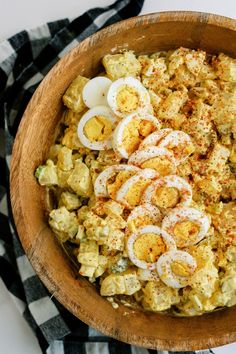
[{"x": 61, "y": 296}]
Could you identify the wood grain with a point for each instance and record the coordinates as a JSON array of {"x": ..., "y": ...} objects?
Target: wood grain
[{"x": 145, "y": 34}]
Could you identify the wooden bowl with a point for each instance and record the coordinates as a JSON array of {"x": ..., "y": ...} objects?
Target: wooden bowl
[{"x": 145, "y": 34}]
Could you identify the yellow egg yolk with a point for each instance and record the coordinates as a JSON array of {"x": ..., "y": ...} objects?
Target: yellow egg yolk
[
  {"x": 135, "y": 192},
  {"x": 148, "y": 247},
  {"x": 161, "y": 164},
  {"x": 185, "y": 231},
  {"x": 98, "y": 128},
  {"x": 181, "y": 269},
  {"x": 166, "y": 197},
  {"x": 131, "y": 138},
  {"x": 134, "y": 132},
  {"x": 116, "y": 182},
  {"x": 146, "y": 127},
  {"x": 127, "y": 99},
  {"x": 181, "y": 149}
]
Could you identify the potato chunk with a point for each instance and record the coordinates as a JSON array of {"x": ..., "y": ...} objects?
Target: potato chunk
[
  {"x": 65, "y": 162},
  {"x": 71, "y": 139},
  {"x": 226, "y": 68},
  {"x": 113, "y": 284},
  {"x": 47, "y": 174},
  {"x": 121, "y": 65},
  {"x": 88, "y": 253},
  {"x": 158, "y": 296},
  {"x": 224, "y": 113},
  {"x": 73, "y": 95},
  {"x": 63, "y": 223},
  {"x": 80, "y": 180},
  {"x": 126, "y": 284},
  {"x": 69, "y": 200},
  {"x": 170, "y": 107},
  {"x": 205, "y": 278}
]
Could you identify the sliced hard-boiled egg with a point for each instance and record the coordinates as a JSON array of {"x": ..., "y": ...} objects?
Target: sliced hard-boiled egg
[
  {"x": 114, "y": 184},
  {"x": 175, "y": 268},
  {"x": 147, "y": 244},
  {"x": 168, "y": 192},
  {"x": 131, "y": 191},
  {"x": 101, "y": 182},
  {"x": 131, "y": 131},
  {"x": 154, "y": 138},
  {"x": 186, "y": 225},
  {"x": 159, "y": 159},
  {"x": 95, "y": 128},
  {"x": 141, "y": 215},
  {"x": 95, "y": 91},
  {"x": 179, "y": 143},
  {"x": 127, "y": 95}
]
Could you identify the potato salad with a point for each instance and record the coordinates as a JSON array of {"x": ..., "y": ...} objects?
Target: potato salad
[{"x": 140, "y": 182}]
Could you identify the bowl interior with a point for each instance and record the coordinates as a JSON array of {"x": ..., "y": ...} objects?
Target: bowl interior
[{"x": 145, "y": 34}]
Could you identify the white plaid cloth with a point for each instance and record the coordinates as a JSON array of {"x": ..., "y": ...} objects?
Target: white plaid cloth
[{"x": 24, "y": 60}]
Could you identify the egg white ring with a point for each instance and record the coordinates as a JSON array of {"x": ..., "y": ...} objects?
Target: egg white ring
[
  {"x": 117, "y": 141},
  {"x": 91, "y": 113},
  {"x": 133, "y": 83},
  {"x": 145, "y": 209},
  {"x": 154, "y": 138},
  {"x": 140, "y": 156},
  {"x": 180, "y": 214},
  {"x": 95, "y": 91},
  {"x": 174, "y": 181},
  {"x": 147, "y": 173},
  {"x": 164, "y": 270},
  {"x": 100, "y": 184},
  {"x": 168, "y": 240},
  {"x": 175, "y": 138}
]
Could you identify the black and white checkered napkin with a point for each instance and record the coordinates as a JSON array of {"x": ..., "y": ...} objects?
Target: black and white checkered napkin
[{"x": 24, "y": 60}]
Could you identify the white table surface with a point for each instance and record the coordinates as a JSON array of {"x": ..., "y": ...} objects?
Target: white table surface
[{"x": 15, "y": 335}]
